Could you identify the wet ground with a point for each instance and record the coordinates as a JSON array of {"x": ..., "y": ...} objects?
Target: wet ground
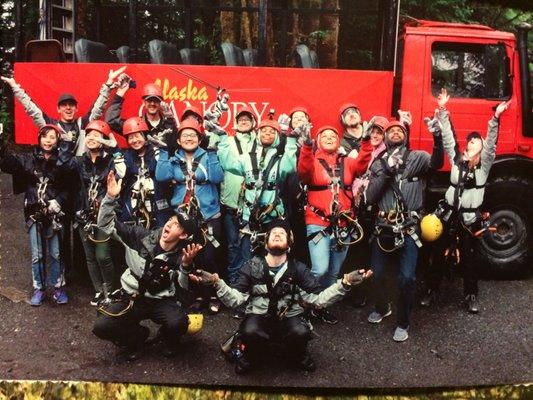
[{"x": 446, "y": 347}]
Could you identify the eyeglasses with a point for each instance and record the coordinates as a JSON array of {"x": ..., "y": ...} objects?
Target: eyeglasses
[{"x": 189, "y": 135}]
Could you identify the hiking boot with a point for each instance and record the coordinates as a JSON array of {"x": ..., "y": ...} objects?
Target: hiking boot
[
  {"x": 242, "y": 366},
  {"x": 325, "y": 315},
  {"x": 60, "y": 296},
  {"x": 376, "y": 317},
  {"x": 37, "y": 298},
  {"x": 98, "y": 296},
  {"x": 401, "y": 334},
  {"x": 428, "y": 298},
  {"x": 472, "y": 304}
]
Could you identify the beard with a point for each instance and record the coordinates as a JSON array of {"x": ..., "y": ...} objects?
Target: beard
[{"x": 277, "y": 250}]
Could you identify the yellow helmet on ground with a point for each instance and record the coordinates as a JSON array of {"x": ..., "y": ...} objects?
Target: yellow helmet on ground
[
  {"x": 431, "y": 227},
  {"x": 196, "y": 321}
]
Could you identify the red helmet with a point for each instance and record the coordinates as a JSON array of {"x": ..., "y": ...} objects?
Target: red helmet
[
  {"x": 393, "y": 123},
  {"x": 100, "y": 126},
  {"x": 346, "y": 106},
  {"x": 246, "y": 110},
  {"x": 191, "y": 123},
  {"x": 271, "y": 123},
  {"x": 133, "y": 125},
  {"x": 192, "y": 111},
  {"x": 47, "y": 127},
  {"x": 152, "y": 90},
  {"x": 380, "y": 122},
  {"x": 324, "y": 128},
  {"x": 298, "y": 108}
]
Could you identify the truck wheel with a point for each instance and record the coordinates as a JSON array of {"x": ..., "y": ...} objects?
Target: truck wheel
[{"x": 508, "y": 250}]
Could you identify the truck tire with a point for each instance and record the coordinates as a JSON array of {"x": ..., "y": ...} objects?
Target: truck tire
[{"x": 508, "y": 250}]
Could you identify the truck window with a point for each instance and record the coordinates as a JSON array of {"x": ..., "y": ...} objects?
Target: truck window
[{"x": 470, "y": 70}]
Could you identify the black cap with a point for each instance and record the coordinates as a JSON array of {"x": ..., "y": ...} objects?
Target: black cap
[
  {"x": 191, "y": 228},
  {"x": 473, "y": 135},
  {"x": 66, "y": 97}
]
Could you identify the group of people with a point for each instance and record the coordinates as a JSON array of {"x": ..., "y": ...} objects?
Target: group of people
[{"x": 284, "y": 200}]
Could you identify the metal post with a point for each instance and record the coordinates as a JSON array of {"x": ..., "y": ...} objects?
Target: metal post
[
  {"x": 262, "y": 34},
  {"x": 133, "y": 29}
]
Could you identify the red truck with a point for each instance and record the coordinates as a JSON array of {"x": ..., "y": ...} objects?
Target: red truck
[{"x": 479, "y": 66}]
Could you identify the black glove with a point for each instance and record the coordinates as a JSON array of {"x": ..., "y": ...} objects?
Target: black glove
[
  {"x": 434, "y": 126},
  {"x": 206, "y": 278},
  {"x": 355, "y": 277}
]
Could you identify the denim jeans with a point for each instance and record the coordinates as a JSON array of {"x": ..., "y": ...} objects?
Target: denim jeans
[
  {"x": 326, "y": 259},
  {"x": 380, "y": 261},
  {"x": 99, "y": 261},
  {"x": 49, "y": 269},
  {"x": 235, "y": 256}
]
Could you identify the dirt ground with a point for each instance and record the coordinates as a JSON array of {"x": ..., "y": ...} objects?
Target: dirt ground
[{"x": 447, "y": 346}]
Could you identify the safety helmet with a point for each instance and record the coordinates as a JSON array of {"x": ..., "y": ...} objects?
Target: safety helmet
[
  {"x": 191, "y": 123},
  {"x": 431, "y": 228},
  {"x": 98, "y": 125},
  {"x": 246, "y": 110},
  {"x": 152, "y": 90},
  {"x": 345, "y": 107},
  {"x": 133, "y": 125},
  {"x": 45, "y": 128},
  {"x": 271, "y": 123},
  {"x": 196, "y": 322},
  {"x": 298, "y": 108},
  {"x": 191, "y": 111},
  {"x": 380, "y": 122},
  {"x": 393, "y": 123},
  {"x": 280, "y": 223}
]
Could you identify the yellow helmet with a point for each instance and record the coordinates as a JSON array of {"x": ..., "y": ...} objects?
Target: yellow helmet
[
  {"x": 431, "y": 227},
  {"x": 196, "y": 321}
]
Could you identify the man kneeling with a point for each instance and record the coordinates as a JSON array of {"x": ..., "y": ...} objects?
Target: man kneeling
[
  {"x": 275, "y": 287},
  {"x": 155, "y": 258}
]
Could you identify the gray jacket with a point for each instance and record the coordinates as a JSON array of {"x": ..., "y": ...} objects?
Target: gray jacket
[
  {"x": 411, "y": 181},
  {"x": 474, "y": 181},
  {"x": 77, "y": 128},
  {"x": 294, "y": 285},
  {"x": 140, "y": 244}
]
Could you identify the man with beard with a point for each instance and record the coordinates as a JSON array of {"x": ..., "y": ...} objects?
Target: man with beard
[
  {"x": 460, "y": 209},
  {"x": 350, "y": 117},
  {"x": 156, "y": 260},
  {"x": 275, "y": 287},
  {"x": 397, "y": 182}
]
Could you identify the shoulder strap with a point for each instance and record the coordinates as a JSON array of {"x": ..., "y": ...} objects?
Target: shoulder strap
[{"x": 238, "y": 144}]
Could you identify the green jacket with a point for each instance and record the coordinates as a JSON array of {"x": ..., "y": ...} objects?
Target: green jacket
[{"x": 243, "y": 166}]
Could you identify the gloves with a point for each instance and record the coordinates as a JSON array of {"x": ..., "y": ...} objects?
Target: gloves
[
  {"x": 405, "y": 118},
  {"x": 213, "y": 127},
  {"x": 120, "y": 165},
  {"x": 284, "y": 123},
  {"x": 159, "y": 140},
  {"x": 395, "y": 159},
  {"x": 123, "y": 81},
  {"x": 205, "y": 278},
  {"x": 434, "y": 126},
  {"x": 53, "y": 207},
  {"x": 220, "y": 107},
  {"x": 355, "y": 277},
  {"x": 165, "y": 109},
  {"x": 367, "y": 129},
  {"x": 110, "y": 143},
  {"x": 304, "y": 131}
]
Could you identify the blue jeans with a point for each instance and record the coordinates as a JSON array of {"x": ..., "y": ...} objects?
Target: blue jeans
[
  {"x": 235, "y": 255},
  {"x": 380, "y": 260},
  {"x": 42, "y": 270},
  {"x": 326, "y": 259}
]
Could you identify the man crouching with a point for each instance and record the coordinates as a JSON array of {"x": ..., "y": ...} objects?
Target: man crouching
[
  {"x": 275, "y": 287},
  {"x": 155, "y": 258}
]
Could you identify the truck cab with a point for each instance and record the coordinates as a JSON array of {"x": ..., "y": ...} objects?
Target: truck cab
[{"x": 480, "y": 67}]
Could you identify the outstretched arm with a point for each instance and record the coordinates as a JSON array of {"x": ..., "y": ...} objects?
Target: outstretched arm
[{"x": 33, "y": 110}]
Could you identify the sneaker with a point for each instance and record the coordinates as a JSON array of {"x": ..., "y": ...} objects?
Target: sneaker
[
  {"x": 325, "y": 315},
  {"x": 375, "y": 317},
  {"x": 400, "y": 334},
  {"x": 60, "y": 296},
  {"x": 37, "y": 297},
  {"x": 98, "y": 296},
  {"x": 472, "y": 304},
  {"x": 428, "y": 298},
  {"x": 238, "y": 313}
]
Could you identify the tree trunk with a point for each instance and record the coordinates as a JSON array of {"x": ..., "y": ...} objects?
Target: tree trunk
[
  {"x": 227, "y": 18},
  {"x": 246, "y": 36},
  {"x": 330, "y": 44}
]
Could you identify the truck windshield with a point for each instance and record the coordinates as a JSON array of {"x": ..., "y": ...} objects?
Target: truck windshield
[{"x": 470, "y": 70}]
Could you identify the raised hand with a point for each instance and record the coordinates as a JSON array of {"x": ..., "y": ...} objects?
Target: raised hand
[
  {"x": 110, "y": 143},
  {"x": 213, "y": 127},
  {"x": 167, "y": 111},
  {"x": 10, "y": 81},
  {"x": 113, "y": 187},
  {"x": 356, "y": 277},
  {"x": 284, "y": 123},
  {"x": 395, "y": 159},
  {"x": 114, "y": 75},
  {"x": 434, "y": 126},
  {"x": 405, "y": 117},
  {"x": 443, "y": 98},
  {"x": 188, "y": 254},
  {"x": 501, "y": 108}
]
